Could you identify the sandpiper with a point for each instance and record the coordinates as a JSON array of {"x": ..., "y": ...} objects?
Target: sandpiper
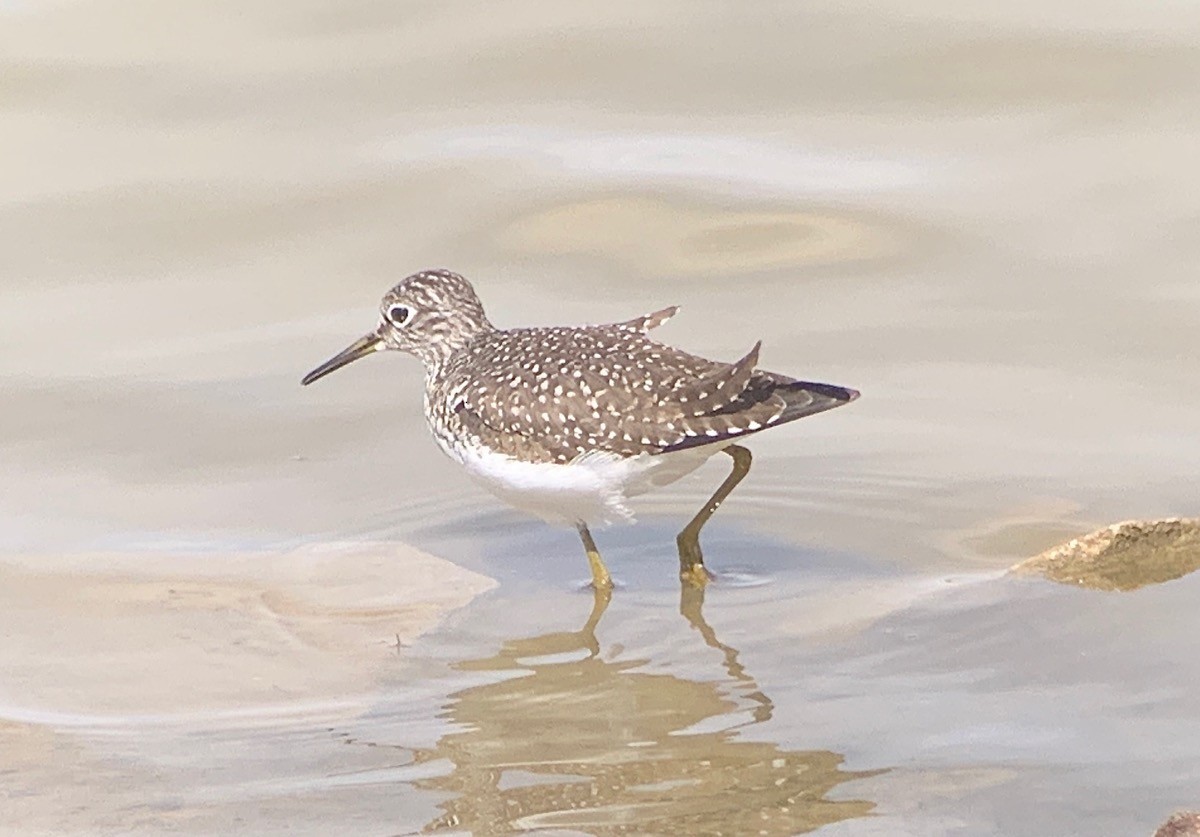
[{"x": 570, "y": 422}]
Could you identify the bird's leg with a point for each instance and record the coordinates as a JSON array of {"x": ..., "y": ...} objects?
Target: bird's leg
[
  {"x": 601, "y": 596},
  {"x": 691, "y": 560},
  {"x": 601, "y": 580}
]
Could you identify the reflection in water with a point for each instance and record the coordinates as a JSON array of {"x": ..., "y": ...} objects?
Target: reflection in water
[{"x": 597, "y": 746}]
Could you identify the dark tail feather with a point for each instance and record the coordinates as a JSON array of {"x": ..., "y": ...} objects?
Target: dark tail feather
[
  {"x": 757, "y": 409},
  {"x": 806, "y": 398}
]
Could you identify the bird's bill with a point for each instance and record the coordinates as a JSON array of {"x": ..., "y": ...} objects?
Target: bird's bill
[{"x": 365, "y": 345}]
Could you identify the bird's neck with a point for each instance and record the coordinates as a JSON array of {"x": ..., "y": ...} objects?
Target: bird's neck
[{"x": 439, "y": 353}]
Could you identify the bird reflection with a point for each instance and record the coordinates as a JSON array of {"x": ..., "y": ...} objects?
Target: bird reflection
[
  {"x": 691, "y": 606},
  {"x": 605, "y": 747}
]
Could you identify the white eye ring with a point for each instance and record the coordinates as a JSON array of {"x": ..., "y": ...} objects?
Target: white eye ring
[{"x": 399, "y": 314}]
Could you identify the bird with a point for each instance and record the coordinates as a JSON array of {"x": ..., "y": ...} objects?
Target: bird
[{"x": 570, "y": 422}]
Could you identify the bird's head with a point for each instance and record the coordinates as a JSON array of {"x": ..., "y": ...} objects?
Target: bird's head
[{"x": 431, "y": 314}]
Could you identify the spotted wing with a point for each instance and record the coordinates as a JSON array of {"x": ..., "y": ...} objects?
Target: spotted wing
[{"x": 556, "y": 394}]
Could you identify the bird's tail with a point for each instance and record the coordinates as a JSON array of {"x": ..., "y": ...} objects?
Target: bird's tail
[{"x": 806, "y": 398}]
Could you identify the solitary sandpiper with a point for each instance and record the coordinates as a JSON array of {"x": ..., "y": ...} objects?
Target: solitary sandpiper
[{"x": 570, "y": 422}]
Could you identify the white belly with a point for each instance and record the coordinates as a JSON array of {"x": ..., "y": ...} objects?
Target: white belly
[{"x": 591, "y": 489}]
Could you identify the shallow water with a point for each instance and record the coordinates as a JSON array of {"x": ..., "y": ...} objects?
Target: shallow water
[{"x": 983, "y": 219}]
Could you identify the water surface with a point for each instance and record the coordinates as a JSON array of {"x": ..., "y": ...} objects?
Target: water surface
[{"x": 230, "y": 603}]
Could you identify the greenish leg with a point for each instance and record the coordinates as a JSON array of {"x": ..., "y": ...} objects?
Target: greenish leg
[
  {"x": 601, "y": 596},
  {"x": 691, "y": 561},
  {"x": 601, "y": 580}
]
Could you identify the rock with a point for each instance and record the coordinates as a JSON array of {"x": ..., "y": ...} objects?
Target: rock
[
  {"x": 1183, "y": 824},
  {"x": 1124, "y": 556}
]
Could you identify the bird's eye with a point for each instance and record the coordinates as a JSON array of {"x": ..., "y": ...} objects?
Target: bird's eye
[{"x": 399, "y": 314}]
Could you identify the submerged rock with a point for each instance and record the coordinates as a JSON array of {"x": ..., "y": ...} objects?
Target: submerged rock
[
  {"x": 1183, "y": 824},
  {"x": 1124, "y": 556}
]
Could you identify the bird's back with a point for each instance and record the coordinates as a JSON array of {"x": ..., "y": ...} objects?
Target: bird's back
[{"x": 555, "y": 394}]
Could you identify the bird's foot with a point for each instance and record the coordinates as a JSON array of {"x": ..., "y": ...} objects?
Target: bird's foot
[
  {"x": 601, "y": 580},
  {"x": 591, "y": 586},
  {"x": 695, "y": 575},
  {"x": 691, "y": 560}
]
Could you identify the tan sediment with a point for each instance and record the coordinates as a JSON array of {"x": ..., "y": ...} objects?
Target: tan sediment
[
  {"x": 656, "y": 234},
  {"x": 170, "y": 633}
]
